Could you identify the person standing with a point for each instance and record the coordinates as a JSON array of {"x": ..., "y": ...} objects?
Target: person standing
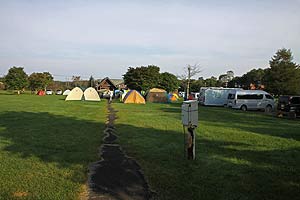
[{"x": 111, "y": 94}]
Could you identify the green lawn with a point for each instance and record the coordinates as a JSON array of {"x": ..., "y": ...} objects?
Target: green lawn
[
  {"x": 239, "y": 155},
  {"x": 46, "y": 145}
]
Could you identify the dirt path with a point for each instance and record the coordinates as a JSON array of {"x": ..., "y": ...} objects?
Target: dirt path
[{"x": 116, "y": 176}]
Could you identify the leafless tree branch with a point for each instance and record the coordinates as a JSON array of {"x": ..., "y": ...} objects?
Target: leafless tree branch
[{"x": 194, "y": 70}]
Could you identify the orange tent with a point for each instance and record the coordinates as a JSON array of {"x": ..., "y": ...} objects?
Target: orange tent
[
  {"x": 173, "y": 97},
  {"x": 134, "y": 97},
  {"x": 41, "y": 93}
]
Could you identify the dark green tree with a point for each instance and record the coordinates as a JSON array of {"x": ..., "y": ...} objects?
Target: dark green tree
[
  {"x": 16, "y": 79},
  {"x": 254, "y": 76},
  {"x": 283, "y": 76},
  {"x": 211, "y": 82},
  {"x": 39, "y": 81},
  {"x": 142, "y": 78},
  {"x": 168, "y": 82},
  {"x": 196, "y": 85},
  {"x": 236, "y": 82},
  {"x": 91, "y": 82}
]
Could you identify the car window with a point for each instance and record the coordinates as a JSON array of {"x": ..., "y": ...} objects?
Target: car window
[
  {"x": 231, "y": 96},
  {"x": 269, "y": 96},
  {"x": 283, "y": 99},
  {"x": 295, "y": 100},
  {"x": 250, "y": 96}
]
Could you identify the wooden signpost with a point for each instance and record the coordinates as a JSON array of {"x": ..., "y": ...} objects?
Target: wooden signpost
[{"x": 189, "y": 117}]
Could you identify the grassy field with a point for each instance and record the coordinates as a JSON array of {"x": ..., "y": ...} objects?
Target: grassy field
[
  {"x": 239, "y": 155},
  {"x": 46, "y": 145}
]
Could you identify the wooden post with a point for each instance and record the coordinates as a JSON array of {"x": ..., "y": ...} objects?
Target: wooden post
[{"x": 191, "y": 144}]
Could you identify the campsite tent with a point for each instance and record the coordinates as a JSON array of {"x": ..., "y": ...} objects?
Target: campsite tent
[
  {"x": 75, "y": 94},
  {"x": 173, "y": 97},
  {"x": 134, "y": 97},
  {"x": 157, "y": 95},
  {"x": 66, "y": 92},
  {"x": 41, "y": 93},
  {"x": 90, "y": 94}
]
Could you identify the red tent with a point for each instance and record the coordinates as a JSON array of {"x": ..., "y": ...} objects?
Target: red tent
[{"x": 41, "y": 93}]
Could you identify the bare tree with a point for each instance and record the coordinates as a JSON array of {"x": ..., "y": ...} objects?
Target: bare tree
[
  {"x": 189, "y": 72},
  {"x": 75, "y": 80}
]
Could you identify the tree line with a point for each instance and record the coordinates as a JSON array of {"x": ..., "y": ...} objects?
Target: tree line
[
  {"x": 281, "y": 77},
  {"x": 17, "y": 79}
]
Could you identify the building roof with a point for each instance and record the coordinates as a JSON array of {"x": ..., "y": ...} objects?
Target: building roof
[
  {"x": 107, "y": 82},
  {"x": 117, "y": 81}
]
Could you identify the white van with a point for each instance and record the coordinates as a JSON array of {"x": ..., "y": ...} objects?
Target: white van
[
  {"x": 215, "y": 96},
  {"x": 251, "y": 100}
]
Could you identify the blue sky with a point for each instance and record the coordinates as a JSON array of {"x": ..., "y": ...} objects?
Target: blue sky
[{"x": 104, "y": 38}]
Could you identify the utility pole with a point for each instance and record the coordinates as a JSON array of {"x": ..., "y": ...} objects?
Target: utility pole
[{"x": 188, "y": 83}]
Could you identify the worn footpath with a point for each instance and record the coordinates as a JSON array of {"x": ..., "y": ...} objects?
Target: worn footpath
[{"x": 116, "y": 176}]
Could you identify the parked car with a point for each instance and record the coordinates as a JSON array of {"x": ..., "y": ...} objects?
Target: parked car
[
  {"x": 49, "y": 92},
  {"x": 58, "y": 92},
  {"x": 251, "y": 100},
  {"x": 289, "y": 105}
]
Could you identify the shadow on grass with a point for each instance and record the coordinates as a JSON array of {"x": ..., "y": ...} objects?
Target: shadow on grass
[
  {"x": 52, "y": 138},
  {"x": 250, "y": 121},
  {"x": 220, "y": 171},
  {"x": 8, "y": 93},
  {"x": 253, "y": 122}
]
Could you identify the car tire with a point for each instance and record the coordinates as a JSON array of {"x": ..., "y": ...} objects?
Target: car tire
[
  {"x": 292, "y": 115},
  {"x": 268, "y": 109},
  {"x": 244, "y": 108}
]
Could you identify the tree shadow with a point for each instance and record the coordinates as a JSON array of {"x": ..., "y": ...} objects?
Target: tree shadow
[
  {"x": 252, "y": 121},
  {"x": 7, "y": 93},
  {"x": 222, "y": 169},
  {"x": 52, "y": 138}
]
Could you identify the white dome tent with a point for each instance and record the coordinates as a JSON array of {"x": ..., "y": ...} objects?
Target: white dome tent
[
  {"x": 75, "y": 94},
  {"x": 90, "y": 94},
  {"x": 66, "y": 92}
]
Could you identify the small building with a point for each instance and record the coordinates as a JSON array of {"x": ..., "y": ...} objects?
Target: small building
[
  {"x": 2, "y": 86},
  {"x": 106, "y": 84}
]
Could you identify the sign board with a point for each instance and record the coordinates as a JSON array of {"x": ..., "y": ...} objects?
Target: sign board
[{"x": 189, "y": 113}]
